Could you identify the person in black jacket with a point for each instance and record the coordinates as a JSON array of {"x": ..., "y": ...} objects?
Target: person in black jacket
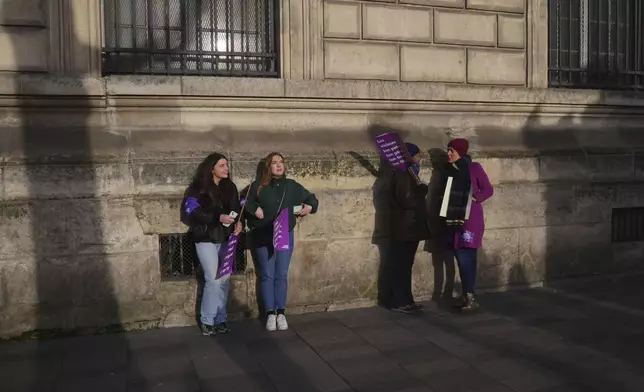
[
  {"x": 208, "y": 201},
  {"x": 408, "y": 226},
  {"x": 267, "y": 197}
]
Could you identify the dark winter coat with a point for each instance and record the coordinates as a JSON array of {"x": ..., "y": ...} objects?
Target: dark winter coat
[
  {"x": 202, "y": 214},
  {"x": 269, "y": 199},
  {"x": 407, "y": 208}
]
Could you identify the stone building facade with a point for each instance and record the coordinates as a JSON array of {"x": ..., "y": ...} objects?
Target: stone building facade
[{"x": 93, "y": 164}]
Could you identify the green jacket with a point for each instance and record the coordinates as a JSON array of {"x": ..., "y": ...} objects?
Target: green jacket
[{"x": 269, "y": 199}]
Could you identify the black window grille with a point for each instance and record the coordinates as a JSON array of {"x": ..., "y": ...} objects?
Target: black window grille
[
  {"x": 191, "y": 37},
  {"x": 628, "y": 224},
  {"x": 178, "y": 256},
  {"x": 596, "y": 44}
]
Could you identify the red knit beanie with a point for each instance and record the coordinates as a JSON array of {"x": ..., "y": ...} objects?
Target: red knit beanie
[{"x": 461, "y": 146}]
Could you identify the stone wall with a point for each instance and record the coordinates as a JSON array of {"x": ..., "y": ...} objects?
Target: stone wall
[
  {"x": 23, "y": 22},
  {"x": 81, "y": 213},
  {"x": 92, "y": 169},
  {"x": 478, "y": 42}
]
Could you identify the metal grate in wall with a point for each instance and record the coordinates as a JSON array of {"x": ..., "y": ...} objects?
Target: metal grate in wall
[
  {"x": 178, "y": 256},
  {"x": 596, "y": 44},
  {"x": 628, "y": 224}
]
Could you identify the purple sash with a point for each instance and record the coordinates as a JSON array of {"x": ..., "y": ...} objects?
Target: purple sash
[{"x": 281, "y": 240}]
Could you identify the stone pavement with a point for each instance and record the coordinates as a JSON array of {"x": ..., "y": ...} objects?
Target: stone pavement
[{"x": 541, "y": 340}]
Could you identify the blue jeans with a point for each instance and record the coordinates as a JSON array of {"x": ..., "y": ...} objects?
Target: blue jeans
[
  {"x": 273, "y": 268},
  {"x": 466, "y": 259},
  {"x": 215, "y": 292}
]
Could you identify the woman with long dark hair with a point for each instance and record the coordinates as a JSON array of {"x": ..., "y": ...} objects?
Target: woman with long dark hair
[
  {"x": 206, "y": 208},
  {"x": 267, "y": 197}
]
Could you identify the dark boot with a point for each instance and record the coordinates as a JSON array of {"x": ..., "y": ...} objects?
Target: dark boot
[
  {"x": 470, "y": 302},
  {"x": 460, "y": 302}
]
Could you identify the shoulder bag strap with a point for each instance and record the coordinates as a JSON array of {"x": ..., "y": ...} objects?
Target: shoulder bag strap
[{"x": 279, "y": 209}]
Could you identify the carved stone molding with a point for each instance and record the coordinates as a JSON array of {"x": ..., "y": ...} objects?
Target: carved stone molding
[
  {"x": 537, "y": 43},
  {"x": 75, "y": 37},
  {"x": 302, "y": 46}
]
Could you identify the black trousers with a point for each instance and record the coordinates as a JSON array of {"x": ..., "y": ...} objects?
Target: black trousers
[{"x": 402, "y": 255}]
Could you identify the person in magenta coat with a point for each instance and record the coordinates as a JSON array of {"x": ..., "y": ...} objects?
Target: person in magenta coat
[{"x": 468, "y": 240}]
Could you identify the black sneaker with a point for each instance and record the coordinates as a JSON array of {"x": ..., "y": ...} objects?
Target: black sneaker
[
  {"x": 207, "y": 330},
  {"x": 416, "y": 306},
  {"x": 407, "y": 309},
  {"x": 222, "y": 328}
]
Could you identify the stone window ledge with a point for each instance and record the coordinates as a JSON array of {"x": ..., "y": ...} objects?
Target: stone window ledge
[{"x": 218, "y": 87}]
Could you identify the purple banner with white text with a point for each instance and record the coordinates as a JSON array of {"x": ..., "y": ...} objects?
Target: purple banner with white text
[
  {"x": 392, "y": 148},
  {"x": 227, "y": 257},
  {"x": 281, "y": 240}
]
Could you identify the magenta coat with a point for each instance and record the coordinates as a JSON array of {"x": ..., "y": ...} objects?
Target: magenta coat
[{"x": 474, "y": 227}]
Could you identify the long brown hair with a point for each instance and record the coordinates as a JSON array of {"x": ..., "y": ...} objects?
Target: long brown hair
[
  {"x": 202, "y": 182},
  {"x": 267, "y": 176}
]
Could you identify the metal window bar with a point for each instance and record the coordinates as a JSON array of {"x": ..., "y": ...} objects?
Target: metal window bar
[
  {"x": 191, "y": 37},
  {"x": 178, "y": 256},
  {"x": 596, "y": 44},
  {"x": 628, "y": 224}
]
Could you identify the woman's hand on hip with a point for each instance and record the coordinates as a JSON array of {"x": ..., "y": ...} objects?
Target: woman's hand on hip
[
  {"x": 259, "y": 213},
  {"x": 226, "y": 219}
]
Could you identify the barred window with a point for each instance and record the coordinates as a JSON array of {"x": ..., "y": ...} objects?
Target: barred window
[
  {"x": 596, "y": 44},
  {"x": 191, "y": 37}
]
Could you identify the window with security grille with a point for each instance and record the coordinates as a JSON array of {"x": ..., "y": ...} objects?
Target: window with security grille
[
  {"x": 596, "y": 44},
  {"x": 178, "y": 256},
  {"x": 191, "y": 37}
]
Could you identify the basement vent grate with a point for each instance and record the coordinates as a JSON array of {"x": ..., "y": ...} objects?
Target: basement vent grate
[
  {"x": 178, "y": 256},
  {"x": 628, "y": 224}
]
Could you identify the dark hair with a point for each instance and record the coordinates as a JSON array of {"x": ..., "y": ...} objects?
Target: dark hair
[
  {"x": 267, "y": 176},
  {"x": 202, "y": 182}
]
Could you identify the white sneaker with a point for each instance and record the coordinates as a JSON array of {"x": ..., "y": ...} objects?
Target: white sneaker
[
  {"x": 282, "y": 325},
  {"x": 271, "y": 322}
]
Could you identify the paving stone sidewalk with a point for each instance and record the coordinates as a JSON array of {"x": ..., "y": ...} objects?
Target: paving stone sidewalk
[{"x": 540, "y": 340}]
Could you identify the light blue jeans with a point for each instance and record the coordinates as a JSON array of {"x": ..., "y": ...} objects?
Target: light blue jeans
[
  {"x": 215, "y": 292},
  {"x": 274, "y": 275}
]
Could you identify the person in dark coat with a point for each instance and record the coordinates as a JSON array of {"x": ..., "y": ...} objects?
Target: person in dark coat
[{"x": 408, "y": 226}]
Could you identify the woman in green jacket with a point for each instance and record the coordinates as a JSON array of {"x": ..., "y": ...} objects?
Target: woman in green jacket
[{"x": 267, "y": 197}]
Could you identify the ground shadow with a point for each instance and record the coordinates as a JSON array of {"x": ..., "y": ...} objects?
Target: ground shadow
[
  {"x": 65, "y": 207},
  {"x": 585, "y": 165}
]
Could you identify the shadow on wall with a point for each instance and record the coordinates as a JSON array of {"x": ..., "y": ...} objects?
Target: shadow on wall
[
  {"x": 443, "y": 262},
  {"x": 66, "y": 242},
  {"x": 583, "y": 166}
]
